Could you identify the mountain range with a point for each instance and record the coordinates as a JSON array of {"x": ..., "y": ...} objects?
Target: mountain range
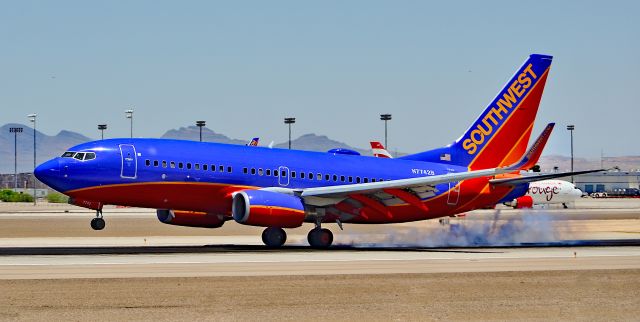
[{"x": 51, "y": 146}]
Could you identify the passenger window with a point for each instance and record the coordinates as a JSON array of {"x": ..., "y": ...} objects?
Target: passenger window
[
  {"x": 366, "y": 180},
  {"x": 204, "y": 167},
  {"x": 275, "y": 173},
  {"x": 310, "y": 176},
  {"x": 342, "y": 178},
  {"x": 268, "y": 172},
  {"x": 79, "y": 156},
  {"x": 89, "y": 156},
  {"x": 147, "y": 162},
  {"x": 189, "y": 165},
  {"x": 155, "y": 163},
  {"x": 335, "y": 178},
  {"x": 327, "y": 177},
  {"x": 213, "y": 167},
  {"x": 173, "y": 165},
  {"x": 373, "y": 179},
  {"x": 293, "y": 174},
  {"x": 260, "y": 172},
  {"x": 253, "y": 171},
  {"x": 221, "y": 168},
  {"x": 284, "y": 173},
  {"x": 164, "y": 164},
  {"x": 357, "y": 179},
  {"x": 197, "y": 166},
  {"x": 319, "y": 176},
  {"x": 180, "y": 165},
  {"x": 245, "y": 170},
  {"x": 350, "y": 179},
  {"x": 229, "y": 169}
]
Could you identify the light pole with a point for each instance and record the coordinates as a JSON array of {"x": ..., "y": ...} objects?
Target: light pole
[
  {"x": 385, "y": 118},
  {"x": 289, "y": 121},
  {"x": 32, "y": 118},
  {"x": 102, "y": 127},
  {"x": 15, "y": 131},
  {"x": 571, "y": 128},
  {"x": 129, "y": 114},
  {"x": 200, "y": 124}
]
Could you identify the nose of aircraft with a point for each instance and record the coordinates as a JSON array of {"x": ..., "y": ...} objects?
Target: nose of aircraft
[
  {"x": 577, "y": 192},
  {"x": 48, "y": 172}
]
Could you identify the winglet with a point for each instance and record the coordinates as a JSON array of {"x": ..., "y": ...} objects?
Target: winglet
[{"x": 532, "y": 156}]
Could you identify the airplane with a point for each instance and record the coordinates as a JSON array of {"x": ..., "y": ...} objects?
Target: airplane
[
  {"x": 379, "y": 150},
  {"x": 202, "y": 184},
  {"x": 545, "y": 192},
  {"x": 253, "y": 142}
]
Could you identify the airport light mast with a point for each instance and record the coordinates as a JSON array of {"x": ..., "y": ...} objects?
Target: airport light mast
[
  {"x": 129, "y": 115},
  {"x": 101, "y": 128},
  {"x": 15, "y": 131},
  {"x": 571, "y": 128},
  {"x": 385, "y": 118},
  {"x": 32, "y": 118},
  {"x": 289, "y": 121},
  {"x": 200, "y": 124}
]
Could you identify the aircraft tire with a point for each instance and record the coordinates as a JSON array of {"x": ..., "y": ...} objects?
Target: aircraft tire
[
  {"x": 320, "y": 238},
  {"x": 274, "y": 237},
  {"x": 97, "y": 223}
]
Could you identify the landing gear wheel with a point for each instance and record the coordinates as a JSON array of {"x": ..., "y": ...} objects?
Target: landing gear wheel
[
  {"x": 274, "y": 237},
  {"x": 97, "y": 223},
  {"x": 320, "y": 238}
]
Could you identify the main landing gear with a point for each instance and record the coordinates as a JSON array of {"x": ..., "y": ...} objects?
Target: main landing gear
[
  {"x": 274, "y": 237},
  {"x": 320, "y": 237},
  {"x": 98, "y": 223}
]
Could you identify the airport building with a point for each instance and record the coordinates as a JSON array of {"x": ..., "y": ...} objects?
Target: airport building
[{"x": 607, "y": 181}]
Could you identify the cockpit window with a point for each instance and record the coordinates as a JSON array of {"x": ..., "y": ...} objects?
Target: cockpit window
[
  {"x": 79, "y": 156},
  {"x": 68, "y": 154},
  {"x": 89, "y": 156}
]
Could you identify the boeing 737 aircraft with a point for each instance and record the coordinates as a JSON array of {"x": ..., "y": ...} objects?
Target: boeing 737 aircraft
[{"x": 201, "y": 184}]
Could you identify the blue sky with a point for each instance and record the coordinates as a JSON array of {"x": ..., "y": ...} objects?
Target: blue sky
[{"x": 334, "y": 65}]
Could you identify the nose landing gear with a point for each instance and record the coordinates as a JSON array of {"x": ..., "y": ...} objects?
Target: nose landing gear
[{"x": 98, "y": 223}]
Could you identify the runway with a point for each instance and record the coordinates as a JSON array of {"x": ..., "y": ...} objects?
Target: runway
[
  {"x": 576, "y": 264},
  {"x": 235, "y": 261}
]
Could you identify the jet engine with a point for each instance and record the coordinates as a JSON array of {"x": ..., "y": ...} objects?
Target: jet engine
[
  {"x": 521, "y": 202},
  {"x": 267, "y": 209},
  {"x": 190, "y": 218}
]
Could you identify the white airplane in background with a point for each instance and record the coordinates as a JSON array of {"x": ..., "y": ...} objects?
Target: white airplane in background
[{"x": 545, "y": 192}]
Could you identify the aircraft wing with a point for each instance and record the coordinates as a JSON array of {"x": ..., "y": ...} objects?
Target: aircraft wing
[
  {"x": 372, "y": 187},
  {"x": 534, "y": 178},
  {"x": 402, "y": 188}
]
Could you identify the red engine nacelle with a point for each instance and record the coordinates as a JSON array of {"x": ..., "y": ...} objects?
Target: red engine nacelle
[
  {"x": 267, "y": 209},
  {"x": 190, "y": 218},
  {"x": 522, "y": 202}
]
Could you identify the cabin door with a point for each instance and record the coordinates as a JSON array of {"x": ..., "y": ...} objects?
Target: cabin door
[
  {"x": 129, "y": 161},
  {"x": 454, "y": 194}
]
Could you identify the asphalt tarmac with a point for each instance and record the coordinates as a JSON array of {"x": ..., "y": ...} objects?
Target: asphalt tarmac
[{"x": 576, "y": 264}]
